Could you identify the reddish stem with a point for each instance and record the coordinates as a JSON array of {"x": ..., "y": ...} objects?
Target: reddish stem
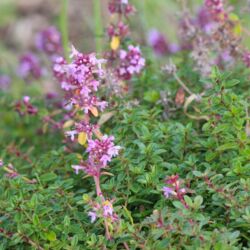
[{"x": 99, "y": 193}]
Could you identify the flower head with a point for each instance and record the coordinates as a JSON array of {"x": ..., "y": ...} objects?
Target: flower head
[
  {"x": 80, "y": 79},
  {"x": 168, "y": 191},
  {"x": 121, "y": 7},
  {"x": 92, "y": 216},
  {"x": 159, "y": 43},
  {"x": 121, "y": 30},
  {"x": 49, "y": 41},
  {"x": 107, "y": 208},
  {"x": 131, "y": 62},
  {"x": 101, "y": 151},
  {"x": 29, "y": 66},
  {"x": 216, "y": 9},
  {"x": 246, "y": 59}
]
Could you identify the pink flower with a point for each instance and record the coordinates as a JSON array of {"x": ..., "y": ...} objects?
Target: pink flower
[
  {"x": 71, "y": 134},
  {"x": 29, "y": 66},
  {"x": 216, "y": 9},
  {"x": 121, "y": 7},
  {"x": 107, "y": 208},
  {"x": 26, "y": 99},
  {"x": 49, "y": 41},
  {"x": 205, "y": 20},
  {"x": 92, "y": 216},
  {"x": 24, "y": 107},
  {"x": 121, "y": 30},
  {"x": 246, "y": 59},
  {"x": 85, "y": 127},
  {"x": 77, "y": 168},
  {"x": 131, "y": 62},
  {"x": 102, "y": 151},
  {"x": 168, "y": 191},
  {"x": 159, "y": 44},
  {"x": 81, "y": 79}
]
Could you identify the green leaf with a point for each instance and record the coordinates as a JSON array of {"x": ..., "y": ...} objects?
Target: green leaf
[
  {"x": 152, "y": 96},
  {"x": 198, "y": 201},
  {"x": 48, "y": 177},
  {"x": 188, "y": 201},
  {"x": 51, "y": 236},
  {"x": 227, "y": 146}
]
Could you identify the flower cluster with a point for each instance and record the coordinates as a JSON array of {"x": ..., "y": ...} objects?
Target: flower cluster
[
  {"x": 174, "y": 188},
  {"x": 213, "y": 22},
  {"x": 204, "y": 20},
  {"x": 159, "y": 43},
  {"x": 104, "y": 210},
  {"x": 82, "y": 127},
  {"x": 80, "y": 79},
  {"x": 216, "y": 9},
  {"x": 121, "y": 7},
  {"x": 246, "y": 59},
  {"x": 29, "y": 66},
  {"x": 49, "y": 41},
  {"x": 120, "y": 30},
  {"x": 131, "y": 62},
  {"x": 24, "y": 107},
  {"x": 100, "y": 152}
]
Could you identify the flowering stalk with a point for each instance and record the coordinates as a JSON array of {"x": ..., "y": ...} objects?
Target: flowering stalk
[{"x": 80, "y": 79}]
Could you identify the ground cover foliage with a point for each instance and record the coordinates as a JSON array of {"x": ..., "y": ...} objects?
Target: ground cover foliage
[{"x": 179, "y": 178}]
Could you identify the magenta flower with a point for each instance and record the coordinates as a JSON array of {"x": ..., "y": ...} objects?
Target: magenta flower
[
  {"x": 159, "y": 43},
  {"x": 102, "y": 151},
  {"x": 246, "y": 59},
  {"x": 29, "y": 67},
  {"x": 86, "y": 128},
  {"x": 81, "y": 79},
  {"x": 205, "y": 20},
  {"x": 121, "y": 7},
  {"x": 24, "y": 107},
  {"x": 131, "y": 62},
  {"x": 121, "y": 30},
  {"x": 216, "y": 9},
  {"x": 49, "y": 41}
]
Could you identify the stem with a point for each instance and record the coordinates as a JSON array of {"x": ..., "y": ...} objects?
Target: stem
[
  {"x": 99, "y": 193},
  {"x": 182, "y": 84},
  {"x": 64, "y": 27},
  {"x": 97, "y": 186},
  {"x": 126, "y": 246},
  {"x": 98, "y": 25}
]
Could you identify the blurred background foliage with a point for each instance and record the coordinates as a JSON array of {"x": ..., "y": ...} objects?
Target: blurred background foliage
[{"x": 21, "y": 19}]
